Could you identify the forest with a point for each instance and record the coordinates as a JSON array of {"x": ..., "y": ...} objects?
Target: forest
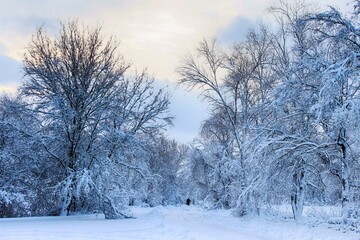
[{"x": 85, "y": 132}]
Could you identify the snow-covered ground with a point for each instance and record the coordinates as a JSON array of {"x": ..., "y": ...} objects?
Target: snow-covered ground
[{"x": 171, "y": 223}]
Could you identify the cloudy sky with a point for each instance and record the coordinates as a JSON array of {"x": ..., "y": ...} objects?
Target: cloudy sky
[{"x": 153, "y": 34}]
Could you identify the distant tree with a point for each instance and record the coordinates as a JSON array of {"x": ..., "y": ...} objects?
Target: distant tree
[{"x": 166, "y": 157}]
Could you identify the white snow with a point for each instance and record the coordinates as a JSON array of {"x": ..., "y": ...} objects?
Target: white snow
[{"x": 181, "y": 222}]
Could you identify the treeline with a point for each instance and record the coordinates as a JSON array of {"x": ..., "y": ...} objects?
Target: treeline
[{"x": 284, "y": 126}]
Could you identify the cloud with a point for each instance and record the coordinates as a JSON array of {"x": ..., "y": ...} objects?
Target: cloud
[
  {"x": 10, "y": 73},
  {"x": 153, "y": 34},
  {"x": 188, "y": 109},
  {"x": 24, "y": 25},
  {"x": 17, "y": 31},
  {"x": 236, "y": 31},
  {"x": 2, "y": 49}
]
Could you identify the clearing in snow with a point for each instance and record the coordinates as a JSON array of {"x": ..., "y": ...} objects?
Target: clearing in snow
[{"x": 182, "y": 222}]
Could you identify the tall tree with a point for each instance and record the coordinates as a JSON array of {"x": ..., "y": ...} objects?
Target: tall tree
[
  {"x": 238, "y": 87},
  {"x": 93, "y": 119},
  {"x": 295, "y": 133},
  {"x": 70, "y": 81},
  {"x": 338, "y": 102}
]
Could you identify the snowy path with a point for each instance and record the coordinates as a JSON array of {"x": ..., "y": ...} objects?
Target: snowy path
[{"x": 173, "y": 223}]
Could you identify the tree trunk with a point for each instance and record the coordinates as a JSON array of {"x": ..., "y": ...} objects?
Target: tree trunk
[
  {"x": 345, "y": 175},
  {"x": 70, "y": 202},
  {"x": 297, "y": 198}
]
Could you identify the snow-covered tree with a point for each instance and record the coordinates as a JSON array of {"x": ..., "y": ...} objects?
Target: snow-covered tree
[
  {"x": 338, "y": 104},
  {"x": 92, "y": 117},
  {"x": 22, "y": 167},
  {"x": 238, "y": 87}
]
